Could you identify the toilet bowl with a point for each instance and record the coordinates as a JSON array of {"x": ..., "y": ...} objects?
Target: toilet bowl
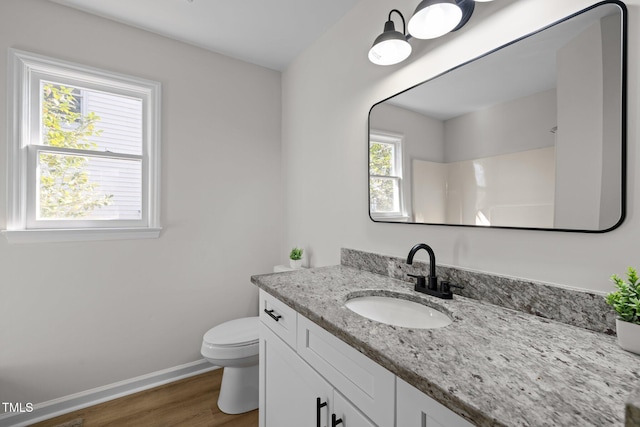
[{"x": 233, "y": 345}]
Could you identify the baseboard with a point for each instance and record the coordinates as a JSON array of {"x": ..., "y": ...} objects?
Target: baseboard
[{"x": 64, "y": 405}]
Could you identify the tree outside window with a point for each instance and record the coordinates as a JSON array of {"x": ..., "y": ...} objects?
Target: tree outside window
[{"x": 66, "y": 190}]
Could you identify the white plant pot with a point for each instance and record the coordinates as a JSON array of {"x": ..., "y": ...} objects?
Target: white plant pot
[
  {"x": 628, "y": 336},
  {"x": 295, "y": 263}
]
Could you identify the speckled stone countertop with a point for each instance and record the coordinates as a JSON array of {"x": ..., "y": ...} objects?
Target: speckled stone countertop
[{"x": 494, "y": 366}]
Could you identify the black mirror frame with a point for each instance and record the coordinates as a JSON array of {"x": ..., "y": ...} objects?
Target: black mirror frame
[{"x": 623, "y": 165}]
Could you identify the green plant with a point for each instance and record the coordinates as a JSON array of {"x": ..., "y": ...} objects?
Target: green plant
[
  {"x": 626, "y": 300},
  {"x": 296, "y": 254}
]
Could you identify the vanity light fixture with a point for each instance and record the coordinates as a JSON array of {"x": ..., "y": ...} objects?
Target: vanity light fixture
[
  {"x": 391, "y": 46},
  {"x": 431, "y": 19},
  {"x": 435, "y": 18}
]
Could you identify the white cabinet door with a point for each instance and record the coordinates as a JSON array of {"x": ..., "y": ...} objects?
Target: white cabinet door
[
  {"x": 416, "y": 409},
  {"x": 289, "y": 388},
  {"x": 346, "y": 414},
  {"x": 367, "y": 385}
]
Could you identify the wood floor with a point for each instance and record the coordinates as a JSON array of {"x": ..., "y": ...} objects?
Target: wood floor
[{"x": 190, "y": 402}]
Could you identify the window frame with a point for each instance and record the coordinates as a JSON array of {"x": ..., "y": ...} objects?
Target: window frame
[
  {"x": 397, "y": 141},
  {"x": 26, "y": 71}
]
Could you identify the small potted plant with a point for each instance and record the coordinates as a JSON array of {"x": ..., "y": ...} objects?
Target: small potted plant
[
  {"x": 295, "y": 258},
  {"x": 626, "y": 302}
]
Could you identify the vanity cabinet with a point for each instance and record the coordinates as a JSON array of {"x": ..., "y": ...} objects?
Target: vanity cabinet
[
  {"x": 348, "y": 413},
  {"x": 289, "y": 387},
  {"x": 293, "y": 394},
  {"x": 308, "y": 376},
  {"x": 366, "y": 384},
  {"x": 301, "y": 363},
  {"x": 416, "y": 409}
]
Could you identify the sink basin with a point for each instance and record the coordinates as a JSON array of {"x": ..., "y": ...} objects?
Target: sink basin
[{"x": 398, "y": 312}]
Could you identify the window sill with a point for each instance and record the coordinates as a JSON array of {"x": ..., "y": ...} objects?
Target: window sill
[
  {"x": 389, "y": 218},
  {"x": 79, "y": 235}
]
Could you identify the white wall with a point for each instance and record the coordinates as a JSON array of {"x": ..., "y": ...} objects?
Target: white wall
[
  {"x": 514, "y": 126},
  {"x": 580, "y": 129},
  {"x": 423, "y": 135},
  {"x": 74, "y": 316},
  {"x": 327, "y": 93}
]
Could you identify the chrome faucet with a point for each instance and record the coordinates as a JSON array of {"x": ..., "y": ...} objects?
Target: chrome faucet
[{"x": 430, "y": 285}]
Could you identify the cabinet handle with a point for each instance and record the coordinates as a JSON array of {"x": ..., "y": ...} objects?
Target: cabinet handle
[
  {"x": 335, "y": 422},
  {"x": 319, "y": 405},
  {"x": 273, "y": 316}
]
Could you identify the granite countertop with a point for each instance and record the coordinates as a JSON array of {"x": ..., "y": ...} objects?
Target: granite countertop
[{"x": 493, "y": 366}]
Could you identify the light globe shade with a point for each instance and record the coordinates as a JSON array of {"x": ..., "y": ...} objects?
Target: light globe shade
[
  {"x": 389, "y": 48},
  {"x": 434, "y": 18}
]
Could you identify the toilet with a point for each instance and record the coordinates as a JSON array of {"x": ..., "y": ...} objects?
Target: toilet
[{"x": 233, "y": 345}]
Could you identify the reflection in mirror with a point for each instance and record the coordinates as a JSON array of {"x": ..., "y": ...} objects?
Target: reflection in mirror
[{"x": 530, "y": 135}]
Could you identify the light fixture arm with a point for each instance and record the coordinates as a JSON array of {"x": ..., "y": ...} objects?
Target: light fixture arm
[{"x": 404, "y": 24}]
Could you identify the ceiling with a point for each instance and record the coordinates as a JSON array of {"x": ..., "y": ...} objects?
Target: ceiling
[
  {"x": 267, "y": 33},
  {"x": 515, "y": 71}
]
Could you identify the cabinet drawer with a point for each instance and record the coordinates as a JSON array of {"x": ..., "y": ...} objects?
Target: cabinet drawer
[
  {"x": 279, "y": 317},
  {"x": 369, "y": 386}
]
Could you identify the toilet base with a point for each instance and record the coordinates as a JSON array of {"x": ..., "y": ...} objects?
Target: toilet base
[{"x": 239, "y": 390}]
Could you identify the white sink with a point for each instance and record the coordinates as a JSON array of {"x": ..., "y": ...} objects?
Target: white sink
[{"x": 398, "y": 312}]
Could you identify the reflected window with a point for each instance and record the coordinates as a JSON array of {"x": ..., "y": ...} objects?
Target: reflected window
[{"x": 385, "y": 176}]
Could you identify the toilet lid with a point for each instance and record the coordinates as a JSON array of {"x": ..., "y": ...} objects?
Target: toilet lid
[{"x": 234, "y": 333}]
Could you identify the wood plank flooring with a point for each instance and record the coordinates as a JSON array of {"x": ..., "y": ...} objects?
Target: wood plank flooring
[{"x": 189, "y": 402}]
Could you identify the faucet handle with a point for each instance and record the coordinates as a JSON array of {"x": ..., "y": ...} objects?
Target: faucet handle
[
  {"x": 445, "y": 286},
  {"x": 421, "y": 281}
]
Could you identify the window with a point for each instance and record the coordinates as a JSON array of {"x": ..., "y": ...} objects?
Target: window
[
  {"x": 385, "y": 177},
  {"x": 84, "y": 152}
]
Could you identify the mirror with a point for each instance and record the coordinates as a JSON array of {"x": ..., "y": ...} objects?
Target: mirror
[{"x": 530, "y": 135}]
